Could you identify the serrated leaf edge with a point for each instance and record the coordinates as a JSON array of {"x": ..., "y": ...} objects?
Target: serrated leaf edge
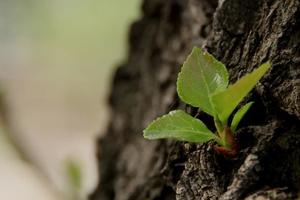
[{"x": 178, "y": 85}]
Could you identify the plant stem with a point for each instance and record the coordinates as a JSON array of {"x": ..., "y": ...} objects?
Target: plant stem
[
  {"x": 219, "y": 126},
  {"x": 220, "y": 129}
]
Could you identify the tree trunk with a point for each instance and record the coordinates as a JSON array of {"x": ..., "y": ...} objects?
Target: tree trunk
[{"x": 240, "y": 33}]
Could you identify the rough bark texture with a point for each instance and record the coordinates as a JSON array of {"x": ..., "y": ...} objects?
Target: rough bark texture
[{"x": 242, "y": 34}]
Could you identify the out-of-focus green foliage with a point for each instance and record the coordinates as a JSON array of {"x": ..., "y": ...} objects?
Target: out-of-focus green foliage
[
  {"x": 74, "y": 173},
  {"x": 74, "y": 176}
]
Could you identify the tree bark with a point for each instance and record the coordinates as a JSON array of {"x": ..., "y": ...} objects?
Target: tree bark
[{"x": 240, "y": 33}]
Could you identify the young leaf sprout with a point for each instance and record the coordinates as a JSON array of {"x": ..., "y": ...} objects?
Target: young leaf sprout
[{"x": 203, "y": 83}]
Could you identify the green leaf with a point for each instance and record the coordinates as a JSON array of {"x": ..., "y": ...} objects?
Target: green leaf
[
  {"x": 226, "y": 101},
  {"x": 201, "y": 75},
  {"x": 74, "y": 174},
  {"x": 181, "y": 126},
  {"x": 239, "y": 115}
]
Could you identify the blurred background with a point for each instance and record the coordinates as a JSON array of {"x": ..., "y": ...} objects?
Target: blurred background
[{"x": 56, "y": 62}]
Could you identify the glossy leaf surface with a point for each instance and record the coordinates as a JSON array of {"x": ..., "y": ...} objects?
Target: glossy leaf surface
[
  {"x": 180, "y": 126},
  {"x": 201, "y": 75},
  {"x": 226, "y": 101}
]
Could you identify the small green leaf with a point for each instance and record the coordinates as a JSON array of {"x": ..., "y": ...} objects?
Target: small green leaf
[
  {"x": 201, "y": 75},
  {"x": 226, "y": 101},
  {"x": 239, "y": 115},
  {"x": 181, "y": 126},
  {"x": 74, "y": 174}
]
